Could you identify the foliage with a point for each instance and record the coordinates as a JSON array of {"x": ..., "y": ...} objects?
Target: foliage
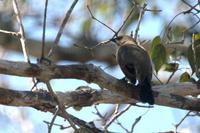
[
  {"x": 194, "y": 54},
  {"x": 185, "y": 77},
  {"x": 158, "y": 53},
  {"x": 84, "y": 31},
  {"x": 171, "y": 67}
]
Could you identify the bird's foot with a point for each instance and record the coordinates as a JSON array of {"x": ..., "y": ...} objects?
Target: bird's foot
[{"x": 124, "y": 79}]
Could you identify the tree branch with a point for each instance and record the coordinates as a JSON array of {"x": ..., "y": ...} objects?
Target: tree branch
[
  {"x": 61, "y": 29},
  {"x": 79, "y": 54},
  {"x": 91, "y": 73}
]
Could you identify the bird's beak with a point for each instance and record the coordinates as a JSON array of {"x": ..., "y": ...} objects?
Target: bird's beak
[
  {"x": 107, "y": 42},
  {"x": 103, "y": 43}
]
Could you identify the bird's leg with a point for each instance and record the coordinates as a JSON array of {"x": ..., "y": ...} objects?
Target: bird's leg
[
  {"x": 128, "y": 83},
  {"x": 124, "y": 79}
]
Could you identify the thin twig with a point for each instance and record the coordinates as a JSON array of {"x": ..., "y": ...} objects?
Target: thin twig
[
  {"x": 98, "y": 112},
  {"x": 157, "y": 78},
  {"x": 44, "y": 29},
  {"x": 60, "y": 106},
  {"x": 146, "y": 9},
  {"x": 116, "y": 108},
  {"x": 35, "y": 82},
  {"x": 166, "y": 32},
  {"x": 135, "y": 123},
  {"x": 116, "y": 33},
  {"x": 59, "y": 125},
  {"x": 121, "y": 125},
  {"x": 176, "y": 68},
  {"x": 21, "y": 31},
  {"x": 153, "y": 10},
  {"x": 170, "y": 77},
  {"x": 115, "y": 116},
  {"x": 178, "y": 124},
  {"x": 77, "y": 121},
  {"x": 137, "y": 120},
  {"x": 139, "y": 22},
  {"x": 194, "y": 25},
  {"x": 52, "y": 121},
  {"x": 191, "y": 7},
  {"x": 51, "y": 91},
  {"x": 10, "y": 33},
  {"x": 64, "y": 22},
  {"x": 194, "y": 56},
  {"x": 183, "y": 12},
  {"x": 124, "y": 22},
  {"x": 93, "y": 17}
]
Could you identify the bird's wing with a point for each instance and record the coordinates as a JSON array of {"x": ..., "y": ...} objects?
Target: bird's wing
[{"x": 130, "y": 72}]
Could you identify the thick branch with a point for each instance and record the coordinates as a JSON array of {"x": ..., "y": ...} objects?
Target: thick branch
[
  {"x": 91, "y": 73},
  {"x": 78, "y": 54},
  {"x": 70, "y": 53},
  {"x": 43, "y": 101},
  {"x": 84, "y": 96}
]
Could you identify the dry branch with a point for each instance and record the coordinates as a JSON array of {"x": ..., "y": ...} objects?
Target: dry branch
[
  {"x": 76, "y": 54},
  {"x": 93, "y": 74}
]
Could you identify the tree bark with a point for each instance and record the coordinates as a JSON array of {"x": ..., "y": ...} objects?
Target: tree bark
[{"x": 171, "y": 95}]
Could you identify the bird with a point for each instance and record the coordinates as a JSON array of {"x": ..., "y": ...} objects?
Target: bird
[{"x": 136, "y": 65}]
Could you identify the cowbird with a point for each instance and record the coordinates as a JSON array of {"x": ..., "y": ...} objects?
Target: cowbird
[{"x": 135, "y": 63}]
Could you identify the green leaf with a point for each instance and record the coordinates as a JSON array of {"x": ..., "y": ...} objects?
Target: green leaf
[
  {"x": 185, "y": 77},
  {"x": 83, "y": 130},
  {"x": 190, "y": 56},
  {"x": 158, "y": 53},
  {"x": 171, "y": 67},
  {"x": 190, "y": 53},
  {"x": 196, "y": 37}
]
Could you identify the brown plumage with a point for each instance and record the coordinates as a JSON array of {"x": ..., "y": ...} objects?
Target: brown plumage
[{"x": 135, "y": 63}]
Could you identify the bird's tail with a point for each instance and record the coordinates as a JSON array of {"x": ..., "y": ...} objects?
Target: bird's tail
[{"x": 146, "y": 93}]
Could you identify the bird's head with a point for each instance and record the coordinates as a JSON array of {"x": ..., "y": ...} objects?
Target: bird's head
[{"x": 123, "y": 40}]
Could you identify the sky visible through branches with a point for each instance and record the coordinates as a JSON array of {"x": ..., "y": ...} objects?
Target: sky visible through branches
[{"x": 155, "y": 120}]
